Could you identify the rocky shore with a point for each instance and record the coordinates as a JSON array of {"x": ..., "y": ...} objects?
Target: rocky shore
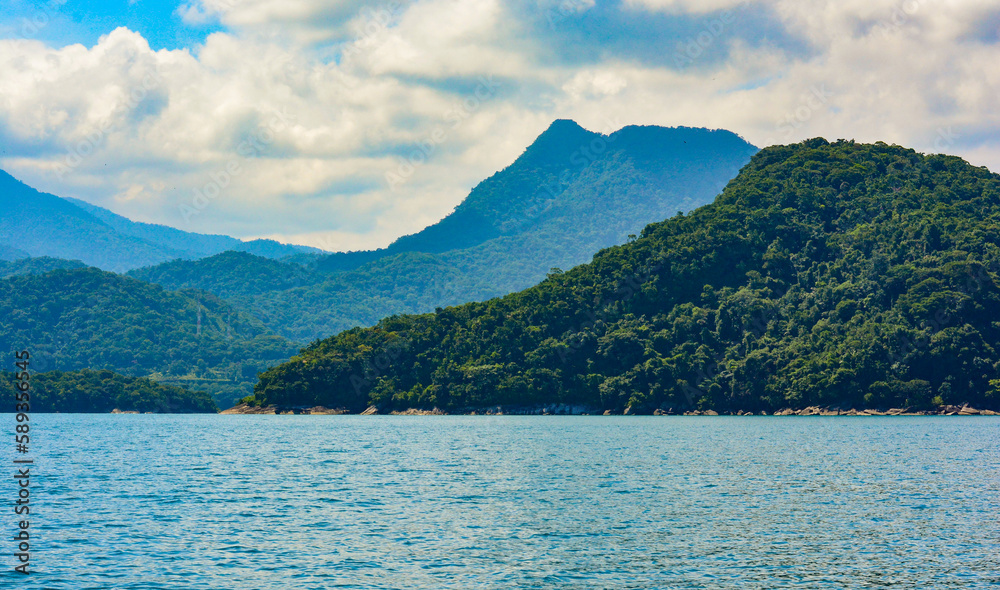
[
  {"x": 315, "y": 410},
  {"x": 578, "y": 410},
  {"x": 818, "y": 411}
]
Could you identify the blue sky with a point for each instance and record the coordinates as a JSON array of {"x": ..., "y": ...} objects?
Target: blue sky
[
  {"x": 299, "y": 119},
  {"x": 63, "y": 22}
]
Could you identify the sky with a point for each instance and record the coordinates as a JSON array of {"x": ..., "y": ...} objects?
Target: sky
[{"x": 345, "y": 124}]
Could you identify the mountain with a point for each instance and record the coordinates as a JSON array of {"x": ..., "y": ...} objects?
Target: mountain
[
  {"x": 36, "y": 266},
  {"x": 103, "y": 391},
  {"x": 231, "y": 275},
  {"x": 10, "y": 253},
  {"x": 91, "y": 319},
  {"x": 571, "y": 193},
  {"x": 40, "y": 224},
  {"x": 583, "y": 185},
  {"x": 825, "y": 274}
]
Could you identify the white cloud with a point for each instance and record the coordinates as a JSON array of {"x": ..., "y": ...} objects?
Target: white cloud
[
  {"x": 460, "y": 87},
  {"x": 686, "y": 6}
]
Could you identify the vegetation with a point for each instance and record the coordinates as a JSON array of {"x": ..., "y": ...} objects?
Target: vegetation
[
  {"x": 102, "y": 391},
  {"x": 569, "y": 194},
  {"x": 825, "y": 274},
  {"x": 88, "y": 318},
  {"x": 36, "y": 266}
]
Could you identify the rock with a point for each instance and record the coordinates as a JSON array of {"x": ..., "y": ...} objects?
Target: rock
[
  {"x": 785, "y": 412},
  {"x": 711, "y": 413},
  {"x": 607, "y": 412},
  {"x": 829, "y": 413},
  {"x": 370, "y": 411},
  {"x": 248, "y": 409},
  {"x": 967, "y": 411},
  {"x": 324, "y": 411},
  {"x": 416, "y": 412},
  {"x": 988, "y": 413},
  {"x": 659, "y": 412},
  {"x": 894, "y": 411}
]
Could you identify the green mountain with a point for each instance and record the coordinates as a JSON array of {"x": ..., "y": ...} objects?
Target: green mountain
[
  {"x": 569, "y": 194},
  {"x": 39, "y": 224},
  {"x": 91, "y": 319},
  {"x": 103, "y": 391},
  {"x": 824, "y": 274},
  {"x": 36, "y": 266}
]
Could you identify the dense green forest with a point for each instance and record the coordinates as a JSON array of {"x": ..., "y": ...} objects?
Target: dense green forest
[
  {"x": 88, "y": 318},
  {"x": 102, "y": 391},
  {"x": 825, "y": 274},
  {"x": 35, "y": 266},
  {"x": 569, "y": 194}
]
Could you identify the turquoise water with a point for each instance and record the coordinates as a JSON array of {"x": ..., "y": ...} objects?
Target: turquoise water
[{"x": 276, "y": 502}]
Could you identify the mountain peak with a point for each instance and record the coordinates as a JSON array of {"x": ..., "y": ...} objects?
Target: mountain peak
[{"x": 563, "y": 137}]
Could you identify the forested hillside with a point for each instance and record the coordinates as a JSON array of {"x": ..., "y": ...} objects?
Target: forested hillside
[
  {"x": 825, "y": 274},
  {"x": 35, "y": 266},
  {"x": 103, "y": 391},
  {"x": 88, "y": 318}
]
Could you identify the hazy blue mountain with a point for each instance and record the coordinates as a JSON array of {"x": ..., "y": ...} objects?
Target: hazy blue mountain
[
  {"x": 570, "y": 194},
  {"x": 568, "y": 176},
  {"x": 40, "y": 224},
  {"x": 192, "y": 244},
  {"x": 8, "y": 252},
  {"x": 274, "y": 250}
]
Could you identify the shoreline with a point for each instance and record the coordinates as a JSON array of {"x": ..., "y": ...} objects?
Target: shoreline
[{"x": 578, "y": 410}]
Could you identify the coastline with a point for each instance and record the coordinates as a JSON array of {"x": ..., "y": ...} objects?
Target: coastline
[{"x": 578, "y": 410}]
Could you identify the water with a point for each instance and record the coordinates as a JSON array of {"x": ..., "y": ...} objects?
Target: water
[{"x": 278, "y": 502}]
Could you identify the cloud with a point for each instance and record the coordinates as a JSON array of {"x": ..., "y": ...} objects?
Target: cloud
[
  {"x": 346, "y": 124},
  {"x": 687, "y": 6}
]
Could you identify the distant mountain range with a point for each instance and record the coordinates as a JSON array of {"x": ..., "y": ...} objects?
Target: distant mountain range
[
  {"x": 36, "y": 224},
  {"x": 570, "y": 194}
]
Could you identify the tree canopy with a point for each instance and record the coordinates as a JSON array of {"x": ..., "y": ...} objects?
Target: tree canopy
[{"x": 838, "y": 274}]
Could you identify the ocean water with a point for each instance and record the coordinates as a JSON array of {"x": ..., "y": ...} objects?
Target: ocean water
[{"x": 280, "y": 502}]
